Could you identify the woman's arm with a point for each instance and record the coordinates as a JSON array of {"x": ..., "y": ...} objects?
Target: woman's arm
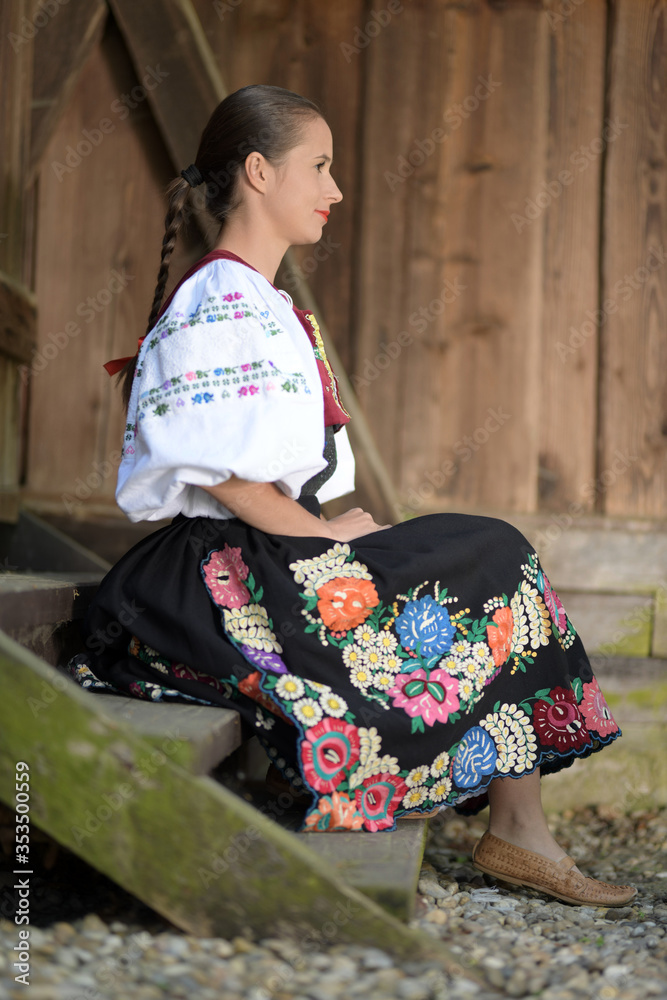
[{"x": 265, "y": 506}]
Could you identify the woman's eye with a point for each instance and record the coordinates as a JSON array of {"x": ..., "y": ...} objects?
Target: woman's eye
[{"x": 321, "y": 164}]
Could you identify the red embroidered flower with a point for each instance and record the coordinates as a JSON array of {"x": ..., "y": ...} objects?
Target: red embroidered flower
[
  {"x": 180, "y": 670},
  {"x": 596, "y": 711},
  {"x": 250, "y": 686},
  {"x": 499, "y": 636},
  {"x": 329, "y": 748},
  {"x": 224, "y": 571},
  {"x": 346, "y": 602},
  {"x": 560, "y": 725},
  {"x": 378, "y": 799}
]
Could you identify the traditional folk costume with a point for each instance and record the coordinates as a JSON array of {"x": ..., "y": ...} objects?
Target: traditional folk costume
[{"x": 392, "y": 674}]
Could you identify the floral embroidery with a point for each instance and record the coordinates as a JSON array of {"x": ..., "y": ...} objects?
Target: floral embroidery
[
  {"x": 476, "y": 757},
  {"x": 327, "y": 751},
  {"x": 320, "y": 354},
  {"x": 224, "y": 573},
  {"x": 431, "y": 697},
  {"x": 335, "y": 812},
  {"x": 558, "y": 720},
  {"x": 596, "y": 711}
]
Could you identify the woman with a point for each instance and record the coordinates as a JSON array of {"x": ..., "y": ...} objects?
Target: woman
[{"x": 389, "y": 671}]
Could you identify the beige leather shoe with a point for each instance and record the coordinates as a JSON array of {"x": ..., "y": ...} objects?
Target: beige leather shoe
[{"x": 517, "y": 866}]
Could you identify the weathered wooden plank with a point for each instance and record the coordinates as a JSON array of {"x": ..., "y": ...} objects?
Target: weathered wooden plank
[
  {"x": 28, "y": 602},
  {"x": 633, "y": 371},
  {"x": 18, "y": 317},
  {"x": 16, "y": 63},
  {"x": 568, "y": 202},
  {"x": 187, "y": 846},
  {"x": 210, "y": 734},
  {"x": 62, "y": 47},
  {"x": 100, "y": 284},
  {"x": 612, "y": 624},
  {"x": 386, "y": 869}
]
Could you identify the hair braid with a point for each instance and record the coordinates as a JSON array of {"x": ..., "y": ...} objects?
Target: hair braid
[{"x": 177, "y": 192}]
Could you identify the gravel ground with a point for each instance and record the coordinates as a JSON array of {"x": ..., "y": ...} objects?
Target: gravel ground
[{"x": 90, "y": 940}]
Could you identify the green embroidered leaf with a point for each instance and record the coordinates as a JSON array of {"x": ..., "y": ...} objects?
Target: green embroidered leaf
[
  {"x": 417, "y": 725},
  {"x": 496, "y": 706},
  {"x": 578, "y": 688},
  {"x": 434, "y": 689},
  {"x": 542, "y": 693},
  {"x": 250, "y": 582},
  {"x": 259, "y": 594},
  {"x": 311, "y": 627},
  {"x": 414, "y": 688}
]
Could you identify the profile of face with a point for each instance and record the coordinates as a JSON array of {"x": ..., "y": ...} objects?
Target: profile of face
[{"x": 297, "y": 196}]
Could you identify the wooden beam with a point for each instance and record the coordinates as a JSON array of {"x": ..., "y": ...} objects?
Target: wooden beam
[
  {"x": 186, "y": 845},
  {"x": 18, "y": 319},
  {"x": 62, "y": 48}
]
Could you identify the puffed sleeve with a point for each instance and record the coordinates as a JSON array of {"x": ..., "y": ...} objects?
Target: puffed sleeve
[{"x": 226, "y": 382}]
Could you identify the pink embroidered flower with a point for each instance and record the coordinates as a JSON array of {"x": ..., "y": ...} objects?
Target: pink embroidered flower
[
  {"x": 246, "y": 368},
  {"x": 335, "y": 812},
  {"x": 238, "y": 295},
  {"x": 253, "y": 389},
  {"x": 556, "y": 609},
  {"x": 224, "y": 571},
  {"x": 189, "y": 376},
  {"x": 328, "y": 750},
  {"x": 243, "y": 391},
  {"x": 238, "y": 315},
  {"x": 431, "y": 698},
  {"x": 596, "y": 711},
  {"x": 229, "y": 297},
  {"x": 378, "y": 798}
]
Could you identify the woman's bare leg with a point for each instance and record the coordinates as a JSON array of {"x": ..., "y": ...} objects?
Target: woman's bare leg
[{"x": 516, "y": 815}]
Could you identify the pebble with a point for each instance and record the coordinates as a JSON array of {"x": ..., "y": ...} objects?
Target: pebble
[{"x": 523, "y": 943}]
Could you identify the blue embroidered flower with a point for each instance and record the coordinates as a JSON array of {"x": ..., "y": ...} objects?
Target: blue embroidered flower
[
  {"x": 208, "y": 396},
  {"x": 197, "y": 398},
  {"x": 426, "y": 622},
  {"x": 475, "y": 757},
  {"x": 210, "y": 319}
]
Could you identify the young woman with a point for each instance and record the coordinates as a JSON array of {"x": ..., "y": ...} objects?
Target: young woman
[{"x": 389, "y": 671}]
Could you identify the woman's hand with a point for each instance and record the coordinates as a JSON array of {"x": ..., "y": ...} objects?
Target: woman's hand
[{"x": 352, "y": 524}]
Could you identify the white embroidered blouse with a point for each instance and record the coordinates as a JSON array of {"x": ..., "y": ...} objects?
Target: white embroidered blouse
[{"x": 226, "y": 382}]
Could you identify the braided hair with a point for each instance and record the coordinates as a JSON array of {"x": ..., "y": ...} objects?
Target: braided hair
[{"x": 262, "y": 118}]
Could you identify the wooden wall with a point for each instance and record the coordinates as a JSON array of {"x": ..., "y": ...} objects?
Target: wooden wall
[{"x": 494, "y": 278}]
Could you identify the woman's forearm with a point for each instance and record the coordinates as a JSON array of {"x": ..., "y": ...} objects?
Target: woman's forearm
[{"x": 265, "y": 506}]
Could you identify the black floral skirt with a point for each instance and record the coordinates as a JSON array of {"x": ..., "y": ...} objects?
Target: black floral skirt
[{"x": 393, "y": 674}]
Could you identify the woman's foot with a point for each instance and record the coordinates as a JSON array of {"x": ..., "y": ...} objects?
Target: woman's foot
[{"x": 560, "y": 879}]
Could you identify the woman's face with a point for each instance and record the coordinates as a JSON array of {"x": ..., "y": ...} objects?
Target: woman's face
[{"x": 302, "y": 189}]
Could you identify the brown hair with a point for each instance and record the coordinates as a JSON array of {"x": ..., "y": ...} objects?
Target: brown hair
[{"x": 268, "y": 120}]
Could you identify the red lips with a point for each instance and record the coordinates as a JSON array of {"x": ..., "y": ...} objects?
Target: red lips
[{"x": 321, "y": 211}]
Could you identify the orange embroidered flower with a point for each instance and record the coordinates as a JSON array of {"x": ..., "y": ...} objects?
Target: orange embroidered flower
[
  {"x": 346, "y": 602},
  {"x": 250, "y": 686},
  {"x": 499, "y": 636},
  {"x": 335, "y": 812}
]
